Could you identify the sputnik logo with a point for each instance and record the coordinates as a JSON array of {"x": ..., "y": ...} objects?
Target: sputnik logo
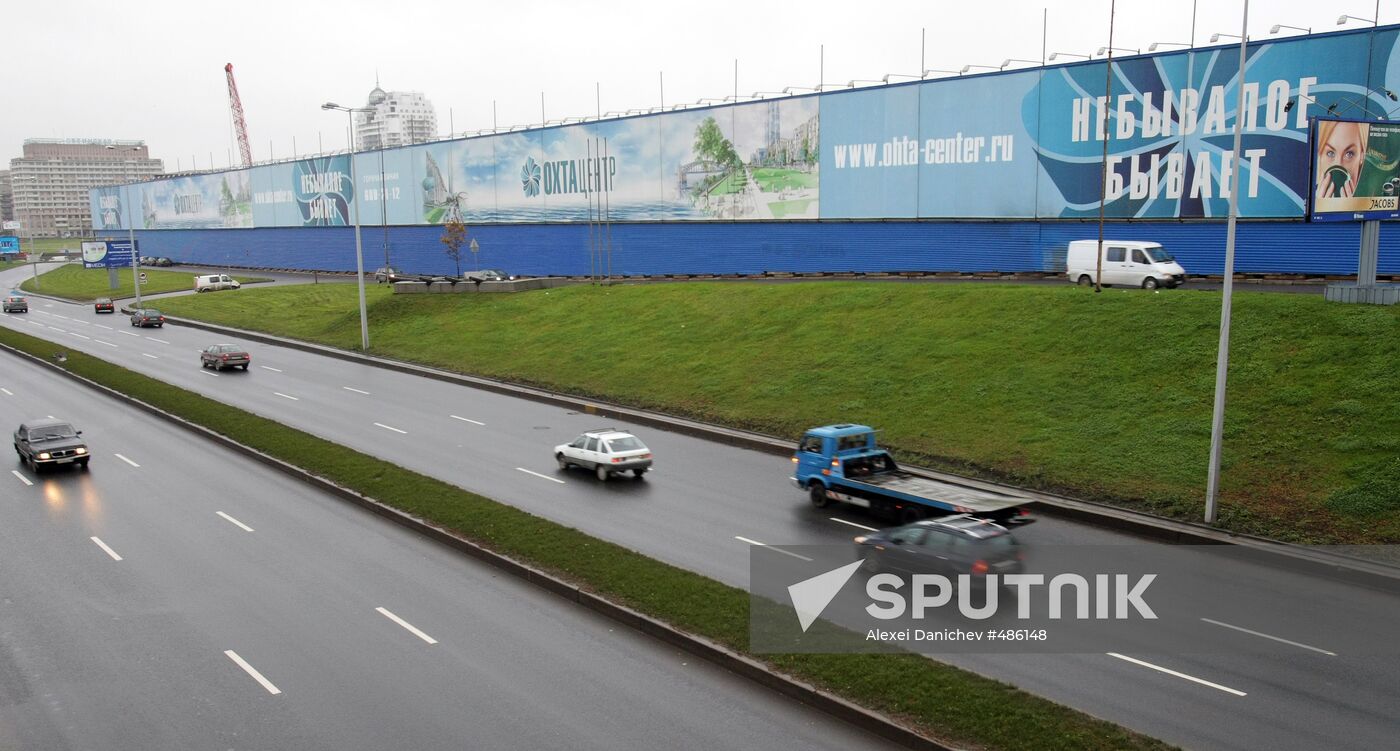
[{"x": 811, "y": 596}]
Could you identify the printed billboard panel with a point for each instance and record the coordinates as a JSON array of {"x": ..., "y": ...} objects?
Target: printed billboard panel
[
  {"x": 1028, "y": 144},
  {"x": 1356, "y": 170},
  {"x": 1169, "y": 124},
  {"x": 220, "y": 199}
]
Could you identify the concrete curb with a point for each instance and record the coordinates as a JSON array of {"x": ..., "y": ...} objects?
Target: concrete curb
[
  {"x": 735, "y": 662},
  {"x": 1161, "y": 529}
]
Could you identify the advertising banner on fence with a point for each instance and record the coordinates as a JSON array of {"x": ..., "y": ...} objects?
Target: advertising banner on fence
[
  {"x": 1025, "y": 144},
  {"x": 1356, "y": 170},
  {"x": 107, "y": 254}
]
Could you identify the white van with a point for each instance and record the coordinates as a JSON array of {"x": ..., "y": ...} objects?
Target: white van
[
  {"x": 1127, "y": 262},
  {"x": 209, "y": 282}
]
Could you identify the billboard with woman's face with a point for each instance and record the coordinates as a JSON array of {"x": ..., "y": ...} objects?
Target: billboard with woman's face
[{"x": 1356, "y": 170}]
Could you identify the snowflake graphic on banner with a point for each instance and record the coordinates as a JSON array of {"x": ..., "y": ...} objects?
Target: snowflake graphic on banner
[{"x": 530, "y": 177}]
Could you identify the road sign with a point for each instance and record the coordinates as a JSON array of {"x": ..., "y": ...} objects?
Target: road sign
[
  {"x": 474, "y": 247},
  {"x": 142, "y": 278}
]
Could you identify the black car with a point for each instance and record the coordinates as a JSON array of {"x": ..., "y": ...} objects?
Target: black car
[
  {"x": 147, "y": 317},
  {"x": 104, "y": 305},
  {"x": 950, "y": 546},
  {"x": 41, "y": 443}
]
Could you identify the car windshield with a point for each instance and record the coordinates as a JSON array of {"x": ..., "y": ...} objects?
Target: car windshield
[
  {"x": 1159, "y": 254},
  {"x": 228, "y": 348},
  {"x": 103, "y": 301},
  {"x": 626, "y": 443},
  {"x": 50, "y": 432},
  {"x": 150, "y": 312}
]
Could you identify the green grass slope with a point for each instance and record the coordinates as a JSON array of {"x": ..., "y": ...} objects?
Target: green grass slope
[{"x": 1105, "y": 396}]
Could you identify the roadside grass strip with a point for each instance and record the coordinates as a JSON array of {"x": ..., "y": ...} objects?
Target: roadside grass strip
[{"x": 938, "y": 700}]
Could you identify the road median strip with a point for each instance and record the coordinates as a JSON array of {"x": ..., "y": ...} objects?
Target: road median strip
[{"x": 903, "y": 697}]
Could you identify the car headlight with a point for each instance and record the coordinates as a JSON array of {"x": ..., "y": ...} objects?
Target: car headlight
[
  {"x": 43, "y": 454},
  {"x": 80, "y": 450}
]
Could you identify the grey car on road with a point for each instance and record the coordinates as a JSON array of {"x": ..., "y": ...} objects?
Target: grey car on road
[{"x": 42, "y": 443}]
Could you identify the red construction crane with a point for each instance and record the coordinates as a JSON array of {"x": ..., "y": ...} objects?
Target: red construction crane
[{"x": 240, "y": 126}]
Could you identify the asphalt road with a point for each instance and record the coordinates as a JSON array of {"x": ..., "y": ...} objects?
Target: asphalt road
[
  {"x": 704, "y": 504},
  {"x": 178, "y": 596}
]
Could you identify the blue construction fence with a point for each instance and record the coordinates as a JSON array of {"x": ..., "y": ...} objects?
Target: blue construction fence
[{"x": 639, "y": 249}]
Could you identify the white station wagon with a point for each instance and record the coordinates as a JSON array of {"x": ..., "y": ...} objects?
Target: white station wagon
[{"x": 607, "y": 452}]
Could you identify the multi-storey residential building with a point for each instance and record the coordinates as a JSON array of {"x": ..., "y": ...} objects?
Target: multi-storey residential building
[
  {"x": 50, "y": 182},
  {"x": 395, "y": 118}
]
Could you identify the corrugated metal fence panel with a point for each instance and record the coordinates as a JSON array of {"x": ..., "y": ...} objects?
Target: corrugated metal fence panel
[{"x": 756, "y": 247}]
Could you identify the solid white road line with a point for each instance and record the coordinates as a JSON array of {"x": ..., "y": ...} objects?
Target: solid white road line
[
  {"x": 80, "y": 336},
  {"x": 237, "y": 523},
  {"x": 537, "y": 474},
  {"x": 147, "y": 354},
  {"x": 110, "y": 551},
  {"x": 128, "y": 333},
  {"x": 406, "y": 625},
  {"x": 128, "y": 461},
  {"x": 1168, "y": 671},
  {"x": 21, "y": 477},
  {"x": 770, "y": 547},
  {"x": 1266, "y": 636},
  {"x": 464, "y": 419},
  {"x": 7, "y": 392},
  {"x": 109, "y": 344},
  {"x": 853, "y": 524},
  {"x": 347, "y": 388},
  {"x": 387, "y": 427},
  {"x": 59, "y": 330},
  {"x": 162, "y": 341},
  {"x": 240, "y": 662},
  {"x": 210, "y": 373},
  {"x": 264, "y": 367},
  {"x": 286, "y": 396}
]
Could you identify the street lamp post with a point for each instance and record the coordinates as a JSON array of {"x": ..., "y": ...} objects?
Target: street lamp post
[
  {"x": 131, "y": 239},
  {"x": 355, "y": 204}
]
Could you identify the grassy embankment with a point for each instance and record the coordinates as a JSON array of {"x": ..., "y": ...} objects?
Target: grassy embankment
[
  {"x": 77, "y": 283},
  {"x": 1106, "y": 397},
  {"x": 947, "y": 702}
]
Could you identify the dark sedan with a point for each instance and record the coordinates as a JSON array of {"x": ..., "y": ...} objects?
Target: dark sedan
[
  {"x": 220, "y": 356},
  {"x": 147, "y": 317},
  {"x": 950, "y": 546},
  {"x": 104, "y": 305},
  {"x": 41, "y": 443}
]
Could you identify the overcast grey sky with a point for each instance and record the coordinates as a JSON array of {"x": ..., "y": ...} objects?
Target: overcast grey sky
[{"x": 153, "y": 69}]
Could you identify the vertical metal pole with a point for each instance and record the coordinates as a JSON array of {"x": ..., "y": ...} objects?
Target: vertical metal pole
[
  {"x": 1222, "y": 358},
  {"x": 542, "y": 118},
  {"x": 607, "y": 205},
  {"x": 821, "y": 66},
  {"x": 923, "y": 45},
  {"x": 588, "y": 150},
  {"x": 598, "y": 98},
  {"x": 1103, "y": 169},
  {"x": 383, "y": 205},
  {"x": 359, "y": 249},
  {"x": 661, "y": 83}
]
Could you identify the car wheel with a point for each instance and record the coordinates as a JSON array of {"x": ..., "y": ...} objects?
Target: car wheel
[
  {"x": 637, "y": 473},
  {"x": 602, "y": 473},
  {"x": 563, "y": 463},
  {"x": 84, "y": 464},
  {"x": 1149, "y": 283},
  {"x": 203, "y": 363},
  {"x": 245, "y": 367},
  {"x": 1085, "y": 281},
  {"x": 817, "y": 493}
]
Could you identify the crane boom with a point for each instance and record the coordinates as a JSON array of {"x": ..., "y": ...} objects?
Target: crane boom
[{"x": 240, "y": 126}]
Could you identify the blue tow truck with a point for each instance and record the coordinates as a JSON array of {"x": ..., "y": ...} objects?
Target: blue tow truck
[{"x": 842, "y": 463}]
